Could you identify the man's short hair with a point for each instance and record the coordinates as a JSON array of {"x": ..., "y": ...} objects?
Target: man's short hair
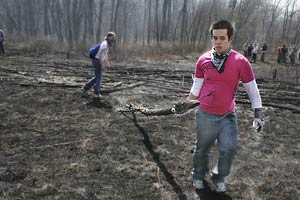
[{"x": 222, "y": 24}]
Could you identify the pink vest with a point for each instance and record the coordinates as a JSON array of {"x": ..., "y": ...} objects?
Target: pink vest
[{"x": 218, "y": 89}]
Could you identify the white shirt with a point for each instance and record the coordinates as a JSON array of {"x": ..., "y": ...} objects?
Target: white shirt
[
  {"x": 104, "y": 46},
  {"x": 255, "y": 49}
]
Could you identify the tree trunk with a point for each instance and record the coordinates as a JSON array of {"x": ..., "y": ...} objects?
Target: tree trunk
[
  {"x": 59, "y": 24},
  {"x": 47, "y": 27},
  {"x": 183, "y": 22},
  {"x": 149, "y": 21},
  {"x": 116, "y": 14},
  {"x": 77, "y": 17},
  {"x": 274, "y": 15},
  {"x": 196, "y": 24},
  {"x": 100, "y": 16},
  {"x": 125, "y": 23},
  {"x": 144, "y": 24},
  {"x": 68, "y": 24},
  {"x": 112, "y": 15},
  {"x": 164, "y": 21},
  {"x": 10, "y": 22},
  {"x": 293, "y": 12},
  {"x": 31, "y": 22},
  {"x": 91, "y": 17},
  {"x": 169, "y": 19},
  {"x": 156, "y": 22}
]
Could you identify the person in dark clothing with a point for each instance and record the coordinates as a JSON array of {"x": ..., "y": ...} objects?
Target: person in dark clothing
[
  {"x": 1, "y": 42},
  {"x": 284, "y": 52},
  {"x": 292, "y": 55},
  {"x": 263, "y": 52},
  {"x": 250, "y": 48}
]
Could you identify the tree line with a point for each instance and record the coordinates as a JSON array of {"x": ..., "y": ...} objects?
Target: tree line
[{"x": 151, "y": 22}]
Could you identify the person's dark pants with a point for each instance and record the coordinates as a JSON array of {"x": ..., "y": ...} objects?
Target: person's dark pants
[
  {"x": 279, "y": 59},
  {"x": 1, "y": 48},
  {"x": 292, "y": 60},
  {"x": 283, "y": 58},
  {"x": 262, "y": 58},
  {"x": 254, "y": 56}
]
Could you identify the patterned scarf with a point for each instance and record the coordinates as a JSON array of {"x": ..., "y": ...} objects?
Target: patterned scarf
[
  {"x": 218, "y": 60},
  {"x": 109, "y": 42}
]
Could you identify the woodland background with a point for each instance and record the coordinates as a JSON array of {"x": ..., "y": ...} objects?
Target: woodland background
[{"x": 174, "y": 25}]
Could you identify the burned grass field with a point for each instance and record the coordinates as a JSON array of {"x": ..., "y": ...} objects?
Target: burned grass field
[{"x": 55, "y": 144}]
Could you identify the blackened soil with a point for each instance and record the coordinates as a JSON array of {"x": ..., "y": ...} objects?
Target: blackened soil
[{"x": 56, "y": 144}]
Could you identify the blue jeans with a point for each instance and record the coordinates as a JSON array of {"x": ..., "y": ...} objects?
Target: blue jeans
[
  {"x": 97, "y": 79},
  {"x": 210, "y": 128},
  {"x": 1, "y": 48}
]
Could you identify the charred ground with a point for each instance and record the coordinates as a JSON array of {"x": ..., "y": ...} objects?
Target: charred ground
[{"x": 54, "y": 144}]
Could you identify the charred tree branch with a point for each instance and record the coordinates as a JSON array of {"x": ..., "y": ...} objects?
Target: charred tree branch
[{"x": 178, "y": 108}]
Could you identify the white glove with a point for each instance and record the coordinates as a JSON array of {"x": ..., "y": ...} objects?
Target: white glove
[{"x": 258, "y": 122}]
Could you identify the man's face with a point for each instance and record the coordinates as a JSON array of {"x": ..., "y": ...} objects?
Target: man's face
[{"x": 220, "y": 40}]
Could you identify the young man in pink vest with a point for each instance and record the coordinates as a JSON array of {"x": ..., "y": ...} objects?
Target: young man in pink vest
[{"x": 217, "y": 75}]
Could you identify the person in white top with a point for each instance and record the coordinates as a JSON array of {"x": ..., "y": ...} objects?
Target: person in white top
[{"x": 100, "y": 64}]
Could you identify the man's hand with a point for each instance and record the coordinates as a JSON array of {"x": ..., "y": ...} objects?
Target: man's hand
[{"x": 258, "y": 121}]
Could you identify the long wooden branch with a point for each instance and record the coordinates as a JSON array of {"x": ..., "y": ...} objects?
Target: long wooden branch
[{"x": 178, "y": 108}]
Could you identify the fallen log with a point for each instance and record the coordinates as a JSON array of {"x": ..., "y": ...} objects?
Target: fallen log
[{"x": 178, "y": 108}]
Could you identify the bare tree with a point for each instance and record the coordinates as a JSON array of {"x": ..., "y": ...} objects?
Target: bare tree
[
  {"x": 274, "y": 15},
  {"x": 100, "y": 17},
  {"x": 125, "y": 23},
  {"x": 149, "y": 21},
  {"x": 68, "y": 24},
  {"x": 184, "y": 21},
  {"x": 58, "y": 21},
  {"x": 76, "y": 22},
  {"x": 47, "y": 26},
  {"x": 196, "y": 24},
  {"x": 156, "y": 22}
]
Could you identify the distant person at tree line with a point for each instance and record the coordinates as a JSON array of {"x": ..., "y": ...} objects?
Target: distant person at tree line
[
  {"x": 1, "y": 42},
  {"x": 279, "y": 54},
  {"x": 100, "y": 63},
  {"x": 255, "y": 52},
  {"x": 263, "y": 52},
  {"x": 292, "y": 55},
  {"x": 217, "y": 76},
  {"x": 283, "y": 52},
  {"x": 251, "y": 51},
  {"x": 245, "y": 48}
]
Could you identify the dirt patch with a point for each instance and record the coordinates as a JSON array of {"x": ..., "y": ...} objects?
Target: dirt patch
[{"x": 57, "y": 145}]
